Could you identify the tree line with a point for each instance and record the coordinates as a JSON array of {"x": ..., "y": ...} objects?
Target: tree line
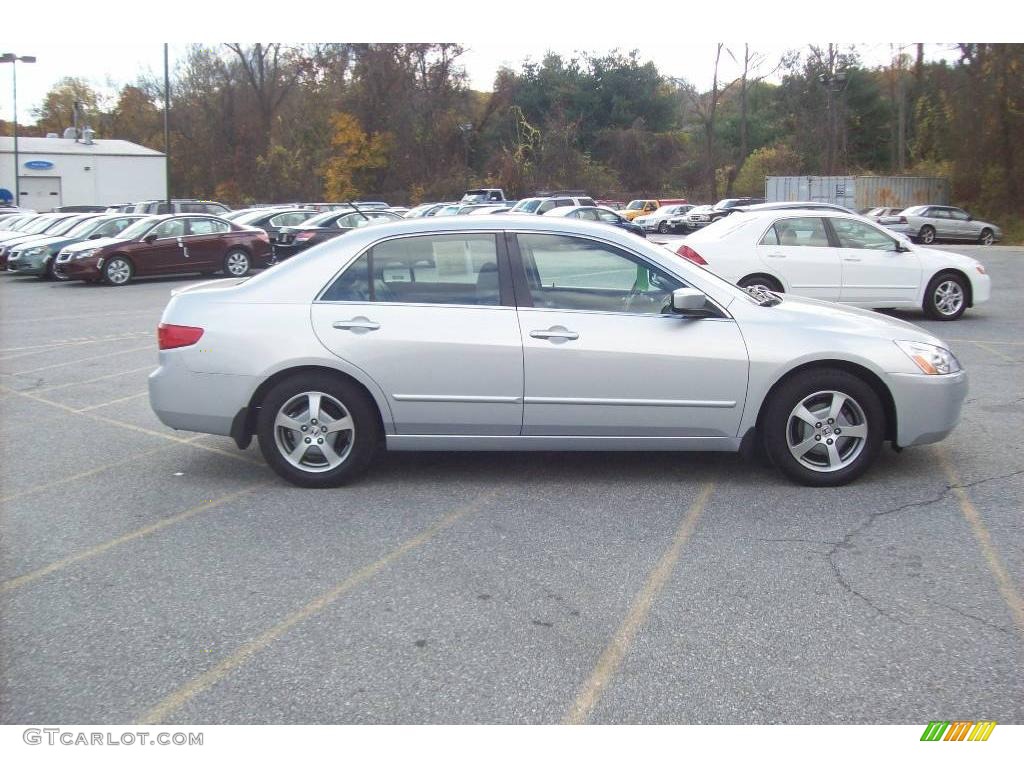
[{"x": 276, "y": 122}]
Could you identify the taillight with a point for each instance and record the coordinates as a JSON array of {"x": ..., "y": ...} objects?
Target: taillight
[
  {"x": 304, "y": 236},
  {"x": 691, "y": 255},
  {"x": 174, "y": 336}
]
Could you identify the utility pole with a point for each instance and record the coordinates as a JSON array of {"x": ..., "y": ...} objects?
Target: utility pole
[
  {"x": 12, "y": 59},
  {"x": 167, "y": 130}
]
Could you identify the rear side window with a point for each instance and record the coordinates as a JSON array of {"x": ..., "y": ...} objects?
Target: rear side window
[
  {"x": 437, "y": 269},
  {"x": 207, "y": 226},
  {"x": 807, "y": 232},
  {"x": 290, "y": 219},
  {"x": 587, "y": 201}
]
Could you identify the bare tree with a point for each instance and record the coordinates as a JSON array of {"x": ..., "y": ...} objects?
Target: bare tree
[{"x": 706, "y": 107}]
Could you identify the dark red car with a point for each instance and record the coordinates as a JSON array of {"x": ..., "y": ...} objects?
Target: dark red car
[{"x": 168, "y": 245}]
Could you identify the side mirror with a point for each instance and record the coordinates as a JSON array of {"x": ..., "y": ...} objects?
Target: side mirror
[
  {"x": 150, "y": 238},
  {"x": 689, "y": 302}
]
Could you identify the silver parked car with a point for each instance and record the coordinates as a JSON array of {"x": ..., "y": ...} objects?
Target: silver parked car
[
  {"x": 538, "y": 333},
  {"x": 929, "y": 223}
]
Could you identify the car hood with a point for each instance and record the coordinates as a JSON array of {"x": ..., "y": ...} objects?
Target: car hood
[
  {"x": 840, "y": 318},
  {"x": 932, "y": 257},
  {"x": 88, "y": 245},
  {"x": 49, "y": 240}
]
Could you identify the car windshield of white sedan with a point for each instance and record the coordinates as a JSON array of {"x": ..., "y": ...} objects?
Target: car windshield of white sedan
[
  {"x": 575, "y": 273},
  {"x": 856, "y": 234},
  {"x": 431, "y": 269}
]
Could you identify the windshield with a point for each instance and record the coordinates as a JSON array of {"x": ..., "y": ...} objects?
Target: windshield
[
  {"x": 137, "y": 229},
  {"x": 727, "y": 203},
  {"x": 474, "y": 196},
  {"x": 66, "y": 226},
  {"x": 86, "y": 227},
  {"x": 635, "y": 205},
  {"x": 39, "y": 225},
  {"x": 248, "y": 216},
  {"x": 917, "y": 210}
]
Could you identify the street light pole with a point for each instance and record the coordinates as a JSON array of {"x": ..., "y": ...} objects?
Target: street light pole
[{"x": 13, "y": 60}]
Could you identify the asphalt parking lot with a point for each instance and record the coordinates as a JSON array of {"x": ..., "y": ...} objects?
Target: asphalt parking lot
[{"x": 154, "y": 576}]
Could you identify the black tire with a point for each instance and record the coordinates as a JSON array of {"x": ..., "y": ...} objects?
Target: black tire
[
  {"x": 777, "y": 429},
  {"x": 237, "y": 263},
  {"x": 939, "y": 286},
  {"x": 987, "y": 237},
  {"x": 356, "y": 448},
  {"x": 663, "y": 228},
  {"x": 51, "y": 273},
  {"x": 926, "y": 235},
  {"x": 118, "y": 271},
  {"x": 751, "y": 281}
]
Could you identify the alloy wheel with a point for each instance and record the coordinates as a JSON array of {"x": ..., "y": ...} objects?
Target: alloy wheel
[
  {"x": 314, "y": 432},
  {"x": 118, "y": 271},
  {"x": 948, "y": 297},
  {"x": 237, "y": 263},
  {"x": 827, "y": 431}
]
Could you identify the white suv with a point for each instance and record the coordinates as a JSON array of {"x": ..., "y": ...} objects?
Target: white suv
[{"x": 541, "y": 205}]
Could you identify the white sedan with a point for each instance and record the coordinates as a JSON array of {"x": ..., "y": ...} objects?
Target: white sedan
[{"x": 837, "y": 257}]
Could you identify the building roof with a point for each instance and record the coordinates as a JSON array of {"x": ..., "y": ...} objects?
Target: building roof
[{"x": 35, "y": 146}]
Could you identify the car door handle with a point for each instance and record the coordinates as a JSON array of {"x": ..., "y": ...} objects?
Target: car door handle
[
  {"x": 776, "y": 255},
  {"x": 851, "y": 258},
  {"x": 556, "y": 333},
  {"x": 356, "y": 325}
]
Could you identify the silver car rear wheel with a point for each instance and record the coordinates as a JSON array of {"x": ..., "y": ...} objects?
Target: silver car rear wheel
[
  {"x": 314, "y": 432},
  {"x": 827, "y": 431}
]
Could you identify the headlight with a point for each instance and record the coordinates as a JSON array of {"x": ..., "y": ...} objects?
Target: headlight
[
  {"x": 37, "y": 251},
  {"x": 86, "y": 254},
  {"x": 930, "y": 358}
]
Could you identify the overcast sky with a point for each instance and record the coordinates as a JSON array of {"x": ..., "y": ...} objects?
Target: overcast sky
[{"x": 98, "y": 42}]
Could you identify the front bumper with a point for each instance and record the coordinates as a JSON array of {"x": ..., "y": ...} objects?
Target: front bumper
[
  {"x": 28, "y": 265},
  {"x": 80, "y": 269},
  {"x": 927, "y": 407}
]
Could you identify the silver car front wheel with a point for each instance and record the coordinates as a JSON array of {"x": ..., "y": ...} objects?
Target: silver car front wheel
[
  {"x": 236, "y": 263},
  {"x": 827, "y": 431}
]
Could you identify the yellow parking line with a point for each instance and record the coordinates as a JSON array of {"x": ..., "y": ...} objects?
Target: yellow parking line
[
  {"x": 149, "y": 367},
  {"x": 112, "y": 402},
  {"x": 985, "y": 345},
  {"x": 134, "y": 458},
  {"x": 99, "y": 549},
  {"x": 42, "y": 349},
  {"x": 1004, "y": 581},
  {"x": 616, "y": 650},
  {"x": 133, "y": 427},
  {"x": 185, "y": 693},
  {"x": 79, "y": 360}
]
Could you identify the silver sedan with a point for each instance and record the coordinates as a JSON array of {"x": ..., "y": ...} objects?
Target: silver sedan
[
  {"x": 929, "y": 223},
  {"x": 504, "y": 333}
]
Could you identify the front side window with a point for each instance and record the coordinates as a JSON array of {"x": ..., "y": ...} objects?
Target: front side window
[
  {"x": 608, "y": 216},
  {"x": 114, "y": 227},
  {"x": 807, "y": 232},
  {"x": 959, "y": 215},
  {"x": 857, "y": 234},
  {"x": 578, "y": 274},
  {"x": 435, "y": 269}
]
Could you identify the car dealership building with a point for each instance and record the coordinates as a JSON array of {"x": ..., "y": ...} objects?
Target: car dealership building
[{"x": 55, "y": 171}]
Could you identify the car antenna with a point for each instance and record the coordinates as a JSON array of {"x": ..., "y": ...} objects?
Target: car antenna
[{"x": 358, "y": 211}]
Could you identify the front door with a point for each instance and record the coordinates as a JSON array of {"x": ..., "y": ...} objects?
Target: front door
[
  {"x": 873, "y": 269},
  {"x": 165, "y": 254},
  {"x": 430, "y": 320},
  {"x": 602, "y": 355}
]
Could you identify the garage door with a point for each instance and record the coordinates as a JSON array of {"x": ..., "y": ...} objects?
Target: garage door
[{"x": 40, "y": 193}]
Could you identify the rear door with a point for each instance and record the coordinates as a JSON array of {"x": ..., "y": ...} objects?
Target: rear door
[
  {"x": 205, "y": 244},
  {"x": 431, "y": 319},
  {"x": 798, "y": 249},
  {"x": 602, "y": 355},
  {"x": 872, "y": 267}
]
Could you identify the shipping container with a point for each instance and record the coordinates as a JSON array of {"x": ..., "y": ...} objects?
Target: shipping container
[{"x": 858, "y": 192}]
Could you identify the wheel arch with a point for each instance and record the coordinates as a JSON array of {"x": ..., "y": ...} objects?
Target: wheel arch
[
  {"x": 244, "y": 424},
  {"x": 969, "y": 286},
  {"x": 869, "y": 377},
  {"x": 765, "y": 275}
]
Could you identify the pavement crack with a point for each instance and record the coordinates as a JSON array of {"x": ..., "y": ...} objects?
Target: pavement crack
[{"x": 978, "y": 619}]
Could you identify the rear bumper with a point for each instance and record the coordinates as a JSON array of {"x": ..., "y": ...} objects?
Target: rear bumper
[
  {"x": 196, "y": 402},
  {"x": 927, "y": 407}
]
